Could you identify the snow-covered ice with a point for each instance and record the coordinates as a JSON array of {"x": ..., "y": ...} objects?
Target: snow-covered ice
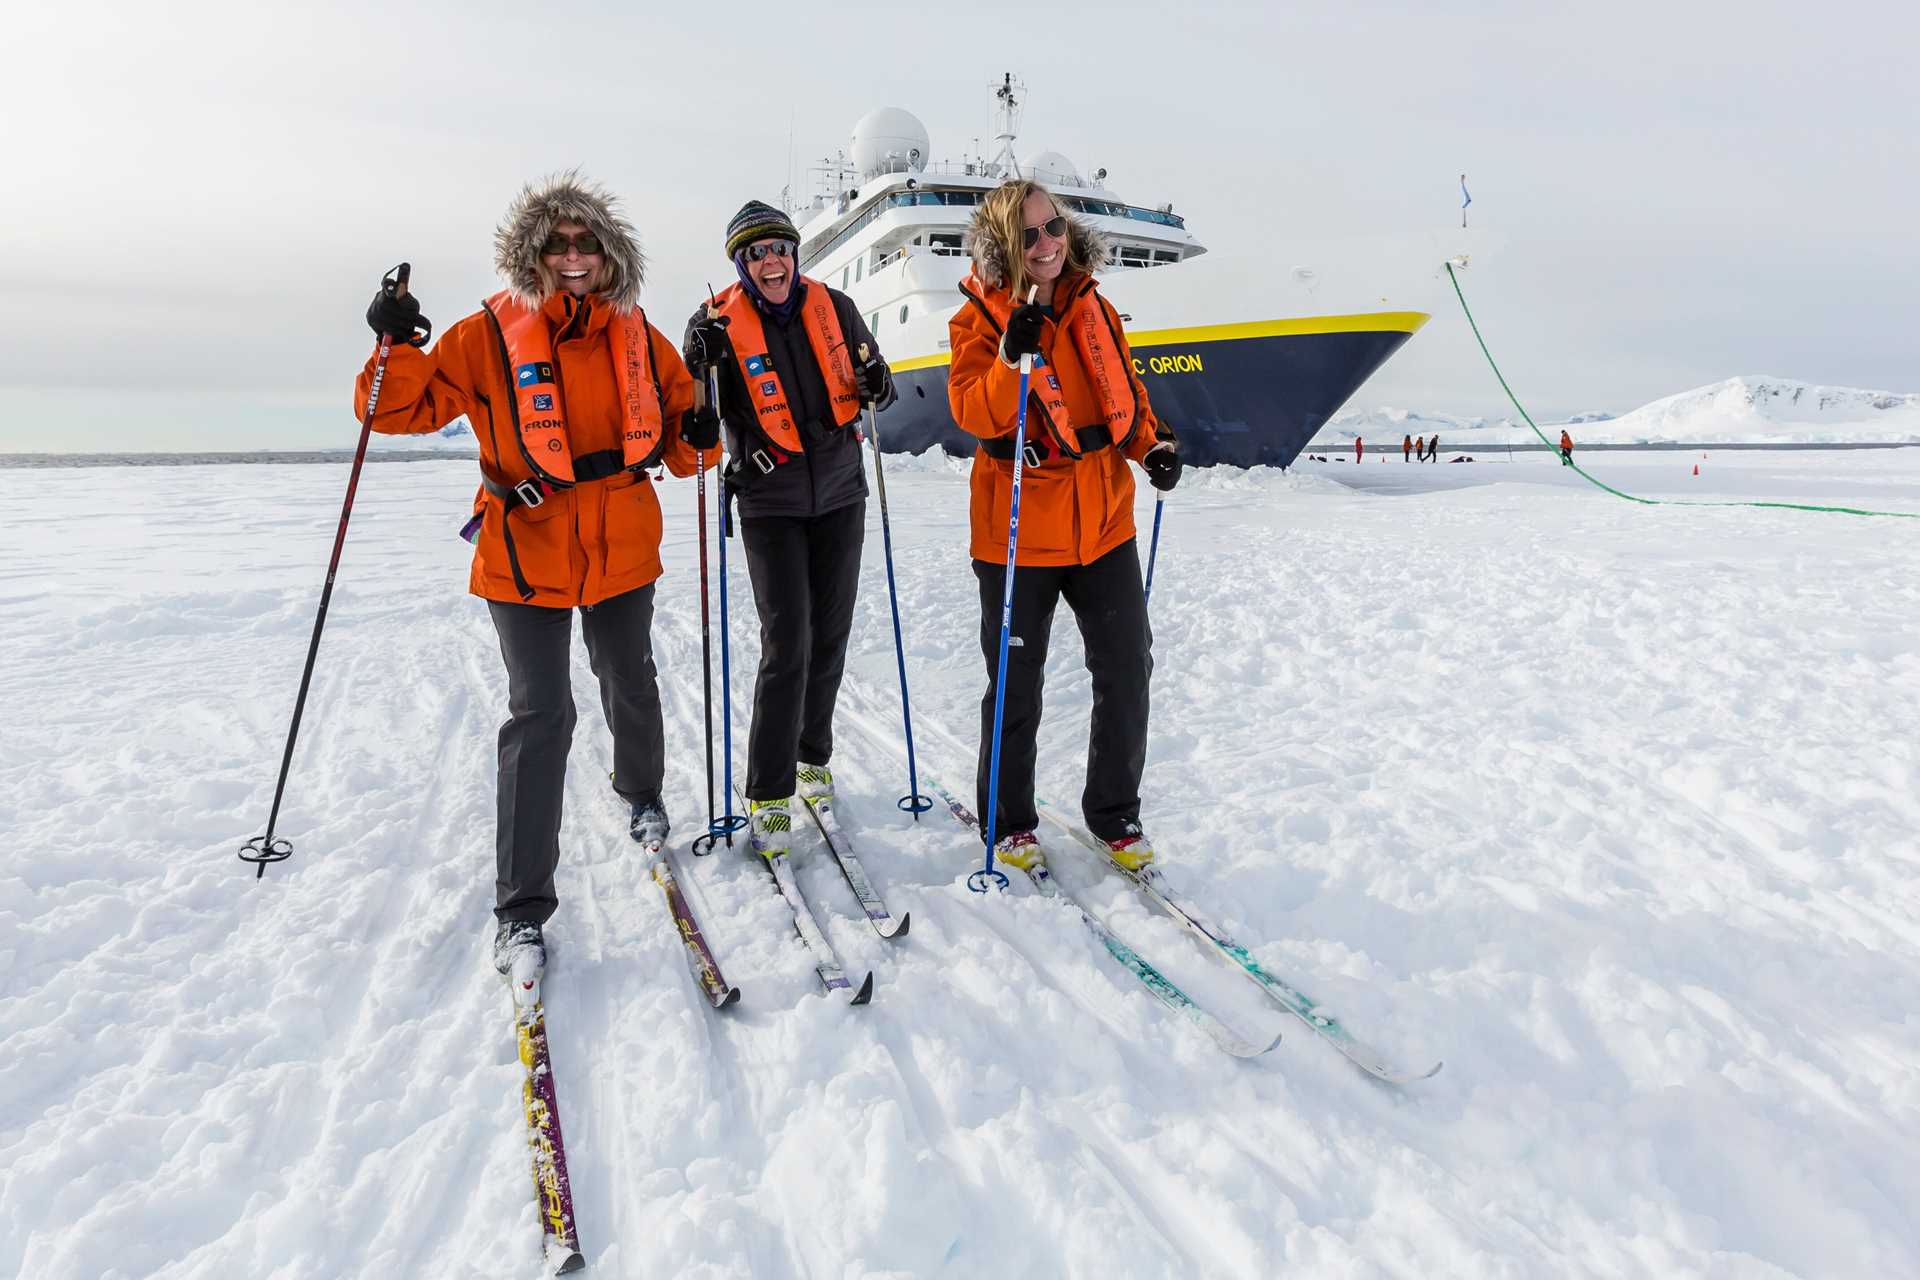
[{"x": 1611, "y": 807}]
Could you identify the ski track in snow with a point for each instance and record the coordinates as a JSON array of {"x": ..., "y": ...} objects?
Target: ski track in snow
[{"x": 1612, "y": 808}]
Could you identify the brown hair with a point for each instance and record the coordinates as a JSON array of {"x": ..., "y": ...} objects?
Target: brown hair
[{"x": 1001, "y": 217}]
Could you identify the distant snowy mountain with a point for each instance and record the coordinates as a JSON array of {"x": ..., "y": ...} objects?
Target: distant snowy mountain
[
  {"x": 1743, "y": 409},
  {"x": 1759, "y": 408}
]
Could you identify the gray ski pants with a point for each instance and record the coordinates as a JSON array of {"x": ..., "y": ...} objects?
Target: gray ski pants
[{"x": 536, "y": 643}]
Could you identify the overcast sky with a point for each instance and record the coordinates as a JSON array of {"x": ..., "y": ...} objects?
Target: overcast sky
[{"x": 199, "y": 198}]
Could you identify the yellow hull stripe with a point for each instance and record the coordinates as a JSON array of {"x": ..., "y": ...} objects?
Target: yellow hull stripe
[{"x": 1377, "y": 322}]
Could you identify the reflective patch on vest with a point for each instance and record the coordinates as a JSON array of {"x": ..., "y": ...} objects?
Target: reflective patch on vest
[
  {"x": 769, "y": 388},
  {"x": 531, "y": 375},
  {"x": 757, "y": 365},
  {"x": 1052, "y": 381},
  {"x": 543, "y": 402}
]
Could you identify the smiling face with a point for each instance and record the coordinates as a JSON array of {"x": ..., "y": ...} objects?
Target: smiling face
[
  {"x": 578, "y": 273},
  {"x": 773, "y": 274},
  {"x": 1048, "y": 256}
]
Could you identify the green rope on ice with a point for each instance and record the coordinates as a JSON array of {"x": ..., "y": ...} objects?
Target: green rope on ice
[{"x": 1619, "y": 493}]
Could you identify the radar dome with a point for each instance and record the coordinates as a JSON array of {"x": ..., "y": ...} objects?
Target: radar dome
[
  {"x": 889, "y": 140},
  {"x": 1051, "y": 166}
]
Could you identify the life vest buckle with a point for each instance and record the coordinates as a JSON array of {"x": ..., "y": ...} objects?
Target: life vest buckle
[
  {"x": 763, "y": 460},
  {"x": 1035, "y": 455},
  {"x": 530, "y": 492}
]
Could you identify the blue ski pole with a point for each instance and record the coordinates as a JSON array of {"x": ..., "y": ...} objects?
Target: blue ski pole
[
  {"x": 722, "y": 828},
  {"x": 1153, "y": 547},
  {"x": 980, "y": 879},
  {"x": 913, "y": 802}
]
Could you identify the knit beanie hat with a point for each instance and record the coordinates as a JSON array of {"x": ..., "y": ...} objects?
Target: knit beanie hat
[{"x": 758, "y": 221}]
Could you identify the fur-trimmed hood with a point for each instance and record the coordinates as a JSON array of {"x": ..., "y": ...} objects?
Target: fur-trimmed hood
[
  {"x": 990, "y": 256},
  {"x": 567, "y": 197}
]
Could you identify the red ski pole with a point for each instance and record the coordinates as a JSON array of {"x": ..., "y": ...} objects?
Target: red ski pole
[{"x": 263, "y": 849}]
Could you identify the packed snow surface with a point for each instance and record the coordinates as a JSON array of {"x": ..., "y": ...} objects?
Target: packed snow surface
[
  {"x": 1744, "y": 409},
  {"x": 1613, "y": 808}
]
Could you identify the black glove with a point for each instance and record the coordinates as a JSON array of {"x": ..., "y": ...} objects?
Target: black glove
[
  {"x": 700, "y": 427},
  {"x": 396, "y": 314},
  {"x": 875, "y": 379},
  {"x": 1023, "y": 333},
  {"x": 1162, "y": 465},
  {"x": 706, "y": 346}
]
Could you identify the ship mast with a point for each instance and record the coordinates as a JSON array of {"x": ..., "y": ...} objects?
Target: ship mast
[{"x": 1009, "y": 93}]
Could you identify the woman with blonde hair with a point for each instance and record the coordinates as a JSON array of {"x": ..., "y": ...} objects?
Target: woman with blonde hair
[{"x": 1087, "y": 417}]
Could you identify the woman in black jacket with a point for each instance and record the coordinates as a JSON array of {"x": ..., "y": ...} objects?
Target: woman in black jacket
[{"x": 788, "y": 352}]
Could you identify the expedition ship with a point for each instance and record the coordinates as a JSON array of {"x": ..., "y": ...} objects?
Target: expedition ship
[{"x": 1238, "y": 386}]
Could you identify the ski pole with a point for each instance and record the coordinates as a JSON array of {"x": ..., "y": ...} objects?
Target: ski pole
[
  {"x": 986, "y": 875},
  {"x": 732, "y": 822},
  {"x": 913, "y": 802},
  {"x": 719, "y": 828},
  {"x": 1153, "y": 547},
  {"x": 706, "y": 626},
  {"x": 262, "y": 849}
]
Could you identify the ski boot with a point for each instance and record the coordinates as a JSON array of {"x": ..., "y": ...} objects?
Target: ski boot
[
  {"x": 815, "y": 781},
  {"x": 1020, "y": 849},
  {"x": 771, "y": 824},
  {"x": 648, "y": 825},
  {"x": 1130, "y": 850},
  {"x": 515, "y": 943}
]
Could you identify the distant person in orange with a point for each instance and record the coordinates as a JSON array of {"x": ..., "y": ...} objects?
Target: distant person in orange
[
  {"x": 1406, "y": 449},
  {"x": 1566, "y": 448},
  {"x": 1357, "y": 448}
]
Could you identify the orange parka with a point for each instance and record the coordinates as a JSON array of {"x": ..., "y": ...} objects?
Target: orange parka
[
  {"x": 1072, "y": 510},
  {"x": 581, "y": 545}
]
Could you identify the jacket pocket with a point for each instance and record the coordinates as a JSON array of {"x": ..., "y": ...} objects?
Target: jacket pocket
[
  {"x": 542, "y": 539},
  {"x": 631, "y": 524},
  {"x": 1046, "y": 509}
]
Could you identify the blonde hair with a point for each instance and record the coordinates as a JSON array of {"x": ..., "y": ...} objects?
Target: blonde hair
[{"x": 1002, "y": 217}]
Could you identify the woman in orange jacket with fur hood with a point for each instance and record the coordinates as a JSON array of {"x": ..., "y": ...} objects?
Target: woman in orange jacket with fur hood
[
  {"x": 573, "y": 395},
  {"x": 1087, "y": 417}
]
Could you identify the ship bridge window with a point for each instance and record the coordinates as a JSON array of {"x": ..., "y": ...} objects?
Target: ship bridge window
[
  {"x": 899, "y": 199},
  {"x": 1165, "y": 255},
  {"x": 1107, "y": 209},
  {"x": 947, "y": 246},
  {"x": 1134, "y": 256}
]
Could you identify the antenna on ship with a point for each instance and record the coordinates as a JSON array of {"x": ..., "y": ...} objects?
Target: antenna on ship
[{"x": 1009, "y": 93}]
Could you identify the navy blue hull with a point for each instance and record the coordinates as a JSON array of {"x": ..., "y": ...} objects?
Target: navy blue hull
[{"x": 1242, "y": 401}]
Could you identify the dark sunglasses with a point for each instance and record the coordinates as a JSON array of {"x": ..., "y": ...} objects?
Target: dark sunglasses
[
  {"x": 585, "y": 242},
  {"x": 1055, "y": 227},
  {"x": 778, "y": 248}
]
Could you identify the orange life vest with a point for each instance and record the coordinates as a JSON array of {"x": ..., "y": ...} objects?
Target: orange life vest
[
  {"x": 538, "y": 405},
  {"x": 766, "y": 391},
  {"x": 1086, "y": 320}
]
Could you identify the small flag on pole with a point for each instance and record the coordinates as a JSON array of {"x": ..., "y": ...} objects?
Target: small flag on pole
[{"x": 1465, "y": 199}]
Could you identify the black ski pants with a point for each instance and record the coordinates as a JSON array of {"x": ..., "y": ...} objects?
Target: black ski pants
[
  {"x": 806, "y": 576},
  {"x": 536, "y": 642},
  {"x": 1107, "y": 602}
]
